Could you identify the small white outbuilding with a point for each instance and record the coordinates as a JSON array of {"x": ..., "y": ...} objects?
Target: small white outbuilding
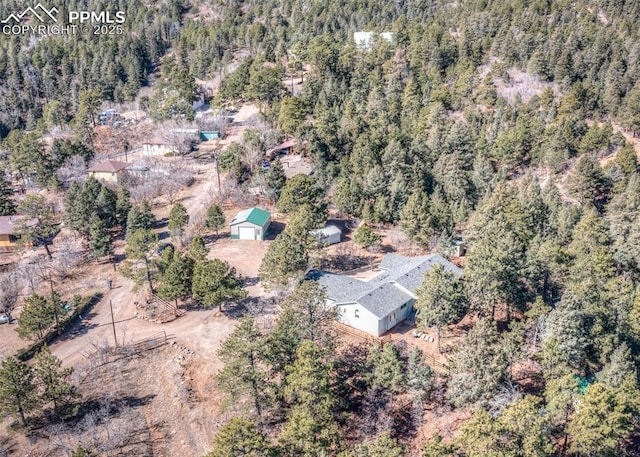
[{"x": 329, "y": 234}]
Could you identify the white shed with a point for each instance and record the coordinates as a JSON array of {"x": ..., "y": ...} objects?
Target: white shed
[{"x": 329, "y": 234}]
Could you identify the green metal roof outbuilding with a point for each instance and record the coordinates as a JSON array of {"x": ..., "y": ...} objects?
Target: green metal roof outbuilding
[{"x": 250, "y": 224}]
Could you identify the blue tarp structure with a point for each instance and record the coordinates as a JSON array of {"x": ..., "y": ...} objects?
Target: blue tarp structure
[{"x": 209, "y": 135}]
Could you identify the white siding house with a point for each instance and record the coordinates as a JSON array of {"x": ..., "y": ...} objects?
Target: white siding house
[{"x": 378, "y": 305}]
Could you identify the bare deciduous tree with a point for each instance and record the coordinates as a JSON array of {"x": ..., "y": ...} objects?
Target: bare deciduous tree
[
  {"x": 9, "y": 292},
  {"x": 177, "y": 135},
  {"x": 74, "y": 169}
]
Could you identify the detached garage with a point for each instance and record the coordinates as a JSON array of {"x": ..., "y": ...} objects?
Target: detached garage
[{"x": 250, "y": 224}]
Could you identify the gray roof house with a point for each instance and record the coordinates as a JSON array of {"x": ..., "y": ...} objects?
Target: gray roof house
[{"x": 377, "y": 305}]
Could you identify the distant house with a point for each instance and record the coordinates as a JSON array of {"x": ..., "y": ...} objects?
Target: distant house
[
  {"x": 8, "y": 239},
  {"x": 109, "y": 170},
  {"x": 284, "y": 148},
  {"x": 378, "y": 305},
  {"x": 250, "y": 224},
  {"x": 329, "y": 234},
  {"x": 157, "y": 147}
]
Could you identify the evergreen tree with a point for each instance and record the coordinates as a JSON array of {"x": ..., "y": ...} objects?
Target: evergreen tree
[
  {"x": 139, "y": 245},
  {"x": 479, "y": 366},
  {"x": 366, "y": 237},
  {"x": 386, "y": 369},
  {"x": 275, "y": 180},
  {"x": 215, "y": 219},
  {"x": 99, "y": 238},
  {"x": 244, "y": 373},
  {"x": 35, "y": 207},
  {"x": 239, "y": 437},
  {"x": 436, "y": 448},
  {"x": 140, "y": 217},
  {"x": 587, "y": 182},
  {"x": 286, "y": 259},
  {"x": 440, "y": 299},
  {"x": 7, "y": 204},
  {"x": 54, "y": 380},
  {"x": 565, "y": 339},
  {"x": 105, "y": 206},
  {"x": 311, "y": 429},
  {"x": 304, "y": 316},
  {"x": 415, "y": 220},
  {"x": 123, "y": 206},
  {"x": 300, "y": 190},
  {"x": 604, "y": 420},
  {"x": 38, "y": 313},
  {"x": 620, "y": 368},
  {"x": 178, "y": 219},
  {"x": 175, "y": 280},
  {"x": 383, "y": 446},
  {"x": 420, "y": 379},
  {"x": 215, "y": 282},
  {"x": 75, "y": 212},
  {"x": 480, "y": 436},
  {"x": 197, "y": 251},
  {"x": 525, "y": 429},
  {"x": 18, "y": 389}
]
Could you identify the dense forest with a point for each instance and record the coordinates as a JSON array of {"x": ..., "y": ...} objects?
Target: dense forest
[{"x": 510, "y": 124}]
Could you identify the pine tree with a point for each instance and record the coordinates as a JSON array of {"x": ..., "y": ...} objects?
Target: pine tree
[
  {"x": 300, "y": 190},
  {"x": 35, "y": 206},
  {"x": 175, "y": 280},
  {"x": 480, "y": 436},
  {"x": 197, "y": 251},
  {"x": 123, "y": 206},
  {"x": 215, "y": 282},
  {"x": 75, "y": 214},
  {"x": 385, "y": 368},
  {"x": 620, "y": 368},
  {"x": 286, "y": 259},
  {"x": 366, "y": 237},
  {"x": 178, "y": 220},
  {"x": 525, "y": 429},
  {"x": 565, "y": 339},
  {"x": 311, "y": 429},
  {"x": 53, "y": 379},
  {"x": 18, "y": 389},
  {"x": 7, "y": 204},
  {"x": 38, "y": 313},
  {"x": 105, "y": 206},
  {"x": 275, "y": 180},
  {"x": 240, "y": 437},
  {"x": 383, "y": 446},
  {"x": 587, "y": 182},
  {"x": 415, "y": 219},
  {"x": 215, "y": 218},
  {"x": 479, "y": 366},
  {"x": 140, "y": 217},
  {"x": 604, "y": 420},
  {"x": 440, "y": 299},
  {"x": 99, "y": 238},
  {"x": 244, "y": 372},
  {"x": 139, "y": 243},
  {"x": 420, "y": 378}
]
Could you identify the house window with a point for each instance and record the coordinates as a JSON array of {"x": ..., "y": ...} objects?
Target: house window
[
  {"x": 392, "y": 316},
  {"x": 357, "y": 313}
]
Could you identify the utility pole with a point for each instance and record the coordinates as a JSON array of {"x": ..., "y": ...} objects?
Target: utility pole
[
  {"x": 54, "y": 304},
  {"x": 113, "y": 324}
]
